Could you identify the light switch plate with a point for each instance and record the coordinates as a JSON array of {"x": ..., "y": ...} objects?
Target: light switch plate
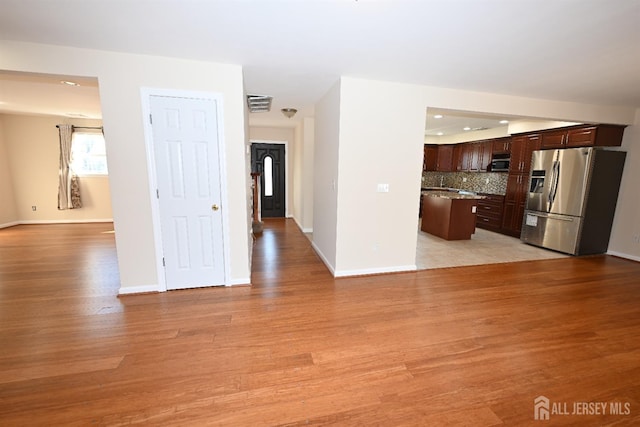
[{"x": 383, "y": 188}]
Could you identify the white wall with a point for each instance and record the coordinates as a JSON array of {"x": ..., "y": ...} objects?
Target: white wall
[
  {"x": 626, "y": 225},
  {"x": 326, "y": 182},
  {"x": 308, "y": 142},
  {"x": 33, "y": 152},
  {"x": 381, "y": 142},
  {"x": 8, "y": 211},
  {"x": 121, "y": 77}
]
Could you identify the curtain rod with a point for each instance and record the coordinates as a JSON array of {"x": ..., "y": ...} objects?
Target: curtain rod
[{"x": 83, "y": 127}]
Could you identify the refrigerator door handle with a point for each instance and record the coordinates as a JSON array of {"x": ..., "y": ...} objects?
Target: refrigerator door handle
[
  {"x": 554, "y": 183},
  {"x": 551, "y": 216}
]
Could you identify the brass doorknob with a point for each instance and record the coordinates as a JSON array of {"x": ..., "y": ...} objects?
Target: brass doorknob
[{"x": 215, "y": 207}]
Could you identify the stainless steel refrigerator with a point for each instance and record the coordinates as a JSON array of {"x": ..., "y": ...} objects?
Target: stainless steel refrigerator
[{"x": 572, "y": 199}]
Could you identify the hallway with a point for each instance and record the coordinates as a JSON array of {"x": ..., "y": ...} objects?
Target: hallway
[{"x": 455, "y": 346}]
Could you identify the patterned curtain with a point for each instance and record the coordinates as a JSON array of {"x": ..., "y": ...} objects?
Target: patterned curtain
[{"x": 68, "y": 185}]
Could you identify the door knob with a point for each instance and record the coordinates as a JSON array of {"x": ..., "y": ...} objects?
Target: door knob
[{"x": 215, "y": 207}]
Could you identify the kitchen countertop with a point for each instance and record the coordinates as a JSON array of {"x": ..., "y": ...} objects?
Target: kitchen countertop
[
  {"x": 425, "y": 190},
  {"x": 450, "y": 193}
]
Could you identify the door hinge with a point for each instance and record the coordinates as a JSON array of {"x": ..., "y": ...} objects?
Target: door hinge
[
  {"x": 157, "y": 193},
  {"x": 150, "y": 119},
  {"x": 163, "y": 264}
]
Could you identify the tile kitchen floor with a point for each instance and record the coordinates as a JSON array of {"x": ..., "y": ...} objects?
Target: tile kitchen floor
[{"x": 485, "y": 247}]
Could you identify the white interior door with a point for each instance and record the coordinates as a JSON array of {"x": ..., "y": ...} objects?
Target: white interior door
[{"x": 187, "y": 169}]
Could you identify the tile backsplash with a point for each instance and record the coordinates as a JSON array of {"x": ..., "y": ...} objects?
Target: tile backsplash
[{"x": 480, "y": 182}]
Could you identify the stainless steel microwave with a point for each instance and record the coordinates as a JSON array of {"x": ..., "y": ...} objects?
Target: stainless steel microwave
[{"x": 500, "y": 163}]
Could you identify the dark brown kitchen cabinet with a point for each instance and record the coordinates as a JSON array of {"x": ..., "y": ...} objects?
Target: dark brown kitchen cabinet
[
  {"x": 472, "y": 156},
  {"x": 489, "y": 215},
  {"x": 445, "y": 158},
  {"x": 595, "y": 136},
  {"x": 583, "y": 136},
  {"x": 522, "y": 147},
  {"x": 501, "y": 146},
  {"x": 430, "y": 160},
  {"x": 514, "y": 204},
  {"x": 473, "y": 159},
  {"x": 438, "y": 158},
  {"x": 474, "y": 149},
  {"x": 456, "y": 161},
  {"x": 553, "y": 140},
  {"x": 486, "y": 154}
]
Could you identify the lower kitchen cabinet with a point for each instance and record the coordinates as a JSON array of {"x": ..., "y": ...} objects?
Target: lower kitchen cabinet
[
  {"x": 512, "y": 218},
  {"x": 489, "y": 215},
  {"x": 514, "y": 202}
]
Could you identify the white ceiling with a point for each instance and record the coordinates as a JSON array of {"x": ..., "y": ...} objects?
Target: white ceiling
[
  {"x": 585, "y": 51},
  {"x": 29, "y": 93}
]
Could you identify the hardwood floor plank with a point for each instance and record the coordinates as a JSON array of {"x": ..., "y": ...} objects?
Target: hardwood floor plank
[
  {"x": 454, "y": 346},
  {"x": 57, "y": 368}
]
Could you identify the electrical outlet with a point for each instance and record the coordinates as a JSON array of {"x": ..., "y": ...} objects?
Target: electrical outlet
[
  {"x": 486, "y": 181},
  {"x": 636, "y": 239},
  {"x": 34, "y": 208},
  {"x": 464, "y": 179}
]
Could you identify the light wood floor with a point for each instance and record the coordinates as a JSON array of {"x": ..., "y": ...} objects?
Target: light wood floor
[{"x": 456, "y": 346}]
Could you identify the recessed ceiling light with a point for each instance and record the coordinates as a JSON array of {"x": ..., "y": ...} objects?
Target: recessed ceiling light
[
  {"x": 466, "y": 128},
  {"x": 504, "y": 122},
  {"x": 438, "y": 116},
  {"x": 69, "y": 83},
  {"x": 440, "y": 133}
]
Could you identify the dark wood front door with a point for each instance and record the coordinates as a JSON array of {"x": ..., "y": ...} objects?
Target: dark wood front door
[{"x": 268, "y": 160}]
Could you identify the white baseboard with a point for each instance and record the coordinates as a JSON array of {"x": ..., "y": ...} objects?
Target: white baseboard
[
  {"x": 304, "y": 230},
  {"x": 145, "y": 289},
  {"x": 240, "y": 282},
  {"x": 369, "y": 271},
  {"x": 65, "y": 221},
  {"x": 9, "y": 224},
  {"x": 623, "y": 255},
  {"x": 323, "y": 258}
]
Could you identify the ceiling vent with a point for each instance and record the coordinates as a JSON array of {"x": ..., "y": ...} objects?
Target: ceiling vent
[{"x": 259, "y": 103}]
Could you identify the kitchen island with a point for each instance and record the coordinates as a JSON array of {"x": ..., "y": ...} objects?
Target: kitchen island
[{"x": 450, "y": 215}]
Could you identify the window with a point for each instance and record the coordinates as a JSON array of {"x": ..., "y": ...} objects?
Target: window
[
  {"x": 88, "y": 154},
  {"x": 268, "y": 176}
]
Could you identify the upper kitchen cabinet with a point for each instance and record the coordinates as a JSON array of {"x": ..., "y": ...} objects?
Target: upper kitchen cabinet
[
  {"x": 438, "y": 158},
  {"x": 430, "y": 160},
  {"x": 553, "y": 140},
  {"x": 445, "y": 158},
  {"x": 521, "y": 148},
  {"x": 458, "y": 161},
  {"x": 472, "y": 156},
  {"x": 501, "y": 146},
  {"x": 485, "y": 155},
  {"x": 584, "y": 136}
]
